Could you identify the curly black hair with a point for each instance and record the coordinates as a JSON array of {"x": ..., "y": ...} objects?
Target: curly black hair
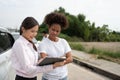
[{"x": 56, "y": 18}]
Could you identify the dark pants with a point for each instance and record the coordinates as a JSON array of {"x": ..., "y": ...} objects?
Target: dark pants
[{"x": 23, "y": 78}]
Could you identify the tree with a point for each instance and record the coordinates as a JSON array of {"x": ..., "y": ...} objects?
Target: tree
[
  {"x": 74, "y": 26},
  {"x": 104, "y": 31},
  {"x": 79, "y": 27},
  {"x": 81, "y": 17}
]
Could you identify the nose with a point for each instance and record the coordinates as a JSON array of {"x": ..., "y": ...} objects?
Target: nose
[{"x": 55, "y": 32}]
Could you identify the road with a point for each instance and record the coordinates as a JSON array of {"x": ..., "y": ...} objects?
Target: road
[{"x": 76, "y": 72}]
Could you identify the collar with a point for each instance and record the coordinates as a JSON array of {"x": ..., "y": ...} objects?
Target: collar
[{"x": 25, "y": 40}]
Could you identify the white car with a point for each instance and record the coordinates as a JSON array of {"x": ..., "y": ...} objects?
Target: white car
[
  {"x": 15, "y": 35},
  {"x": 6, "y": 42}
]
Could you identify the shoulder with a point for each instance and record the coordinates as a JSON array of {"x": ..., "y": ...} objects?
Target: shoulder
[
  {"x": 19, "y": 42},
  {"x": 44, "y": 42},
  {"x": 62, "y": 40}
]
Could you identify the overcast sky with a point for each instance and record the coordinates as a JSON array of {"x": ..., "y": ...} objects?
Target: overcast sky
[{"x": 12, "y": 12}]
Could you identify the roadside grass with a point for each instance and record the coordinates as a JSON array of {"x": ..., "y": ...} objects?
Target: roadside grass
[
  {"x": 105, "y": 53},
  {"x": 108, "y": 55},
  {"x": 76, "y": 46}
]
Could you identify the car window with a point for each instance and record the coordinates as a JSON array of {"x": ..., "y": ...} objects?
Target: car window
[{"x": 6, "y": 41}]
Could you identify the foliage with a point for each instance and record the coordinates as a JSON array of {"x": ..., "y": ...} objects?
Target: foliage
[
  {"x": 71, "y": 39},
  {"x": 42, "y": 27},
  {"x": 85, "y": 30}
]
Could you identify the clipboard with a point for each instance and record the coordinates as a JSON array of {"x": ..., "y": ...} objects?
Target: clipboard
[{"x": 50, "y": 60}]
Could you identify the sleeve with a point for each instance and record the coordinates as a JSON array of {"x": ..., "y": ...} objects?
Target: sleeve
[
  {"x": 22, "y": 64},
  {"x": 67, "y": 46},
  {"x": 41, "y": 48}
]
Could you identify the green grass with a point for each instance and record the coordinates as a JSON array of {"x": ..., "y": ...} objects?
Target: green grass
[
  {"x": 105, "y": 53},
  {"x": 76, "y": 46}
]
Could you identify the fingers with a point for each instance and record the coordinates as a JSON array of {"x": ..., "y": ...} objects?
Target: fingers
[
  {"x": 40, "y": 60},
  {"x": 61, "y": 63},
  {"x": 58, "y": 64}
]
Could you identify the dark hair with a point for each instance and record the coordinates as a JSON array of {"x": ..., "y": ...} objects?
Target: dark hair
[
  {"x": 28, "y": 23},
  {"x": 56, "y": 18}
]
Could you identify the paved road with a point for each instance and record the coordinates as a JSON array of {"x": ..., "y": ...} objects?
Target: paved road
[
  {"x": 80, "y": 73},
  {"x": 75, "y": 72},
  {"x": 107, "y": 68}
]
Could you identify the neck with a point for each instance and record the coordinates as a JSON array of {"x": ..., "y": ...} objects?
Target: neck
[{"x": 53, "y": 39}]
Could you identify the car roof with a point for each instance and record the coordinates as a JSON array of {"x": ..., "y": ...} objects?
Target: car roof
[
  {"x": 2, "y": 29},
  {"x": 15, "y": 33}
]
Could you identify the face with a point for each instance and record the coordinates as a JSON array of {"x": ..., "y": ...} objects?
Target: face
[
  {"x": 29, "y": 34},
  {"x": 54, "y": 30}
]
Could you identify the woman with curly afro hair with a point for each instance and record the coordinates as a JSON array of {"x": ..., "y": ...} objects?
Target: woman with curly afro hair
[{"x": 53, "y": 46}]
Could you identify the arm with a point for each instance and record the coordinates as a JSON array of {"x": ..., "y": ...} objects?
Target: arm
[
  {"x": 22, "y": 64},
  {"x": 69, "y": 58},
  {"x": 68, "y": 53}
]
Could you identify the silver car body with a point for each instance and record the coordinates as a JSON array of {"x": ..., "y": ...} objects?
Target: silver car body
[{"x": 6, "y": 42}]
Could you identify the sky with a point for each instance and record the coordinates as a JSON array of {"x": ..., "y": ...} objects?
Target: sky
[{"x": 13, "y": 12}]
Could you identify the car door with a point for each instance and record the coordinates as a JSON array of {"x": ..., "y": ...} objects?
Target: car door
[{"x": 6, "y": 42}]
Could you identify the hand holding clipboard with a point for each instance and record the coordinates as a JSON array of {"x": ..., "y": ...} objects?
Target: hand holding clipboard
[{"x": 50, "y": 60}]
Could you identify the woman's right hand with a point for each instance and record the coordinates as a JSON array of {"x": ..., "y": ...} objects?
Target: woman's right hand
[{"x": 58, "y": 64}]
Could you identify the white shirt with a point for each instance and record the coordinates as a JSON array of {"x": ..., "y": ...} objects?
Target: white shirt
[
  {"x": 55, "y": 49},
  {"x": 45, "y": 37},
  {"x": 24, "y": 59}
]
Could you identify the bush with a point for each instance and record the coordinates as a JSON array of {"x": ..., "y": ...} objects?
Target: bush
[{"x": 70, "y": 39}]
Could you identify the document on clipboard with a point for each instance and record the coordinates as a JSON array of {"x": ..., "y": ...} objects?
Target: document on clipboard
[{"x": 50, "y": 60}]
